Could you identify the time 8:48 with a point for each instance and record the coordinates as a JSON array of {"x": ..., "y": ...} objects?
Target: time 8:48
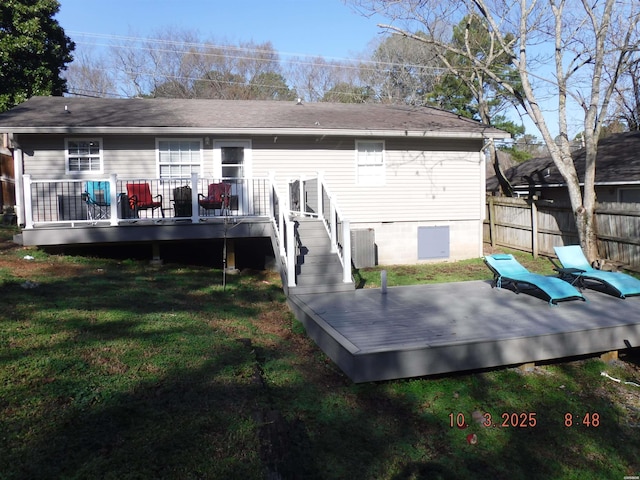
[{"x": 588, "y": 420}]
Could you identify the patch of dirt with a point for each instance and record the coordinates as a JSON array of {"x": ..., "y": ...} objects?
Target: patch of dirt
[{"x": 12, "y": 259}]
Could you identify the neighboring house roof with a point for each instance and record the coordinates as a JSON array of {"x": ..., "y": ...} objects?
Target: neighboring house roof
[
  {"x": 75, "y": 115},
  {"x": 617, "y": 163}
]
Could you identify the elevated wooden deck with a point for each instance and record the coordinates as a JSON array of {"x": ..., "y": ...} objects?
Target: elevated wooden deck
[
  {"x": 148, "y": 230},
  {"x": 430, "y": 329}
]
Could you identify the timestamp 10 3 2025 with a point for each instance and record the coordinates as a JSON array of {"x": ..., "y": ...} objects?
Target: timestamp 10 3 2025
[{"x": 522, "y": 420}]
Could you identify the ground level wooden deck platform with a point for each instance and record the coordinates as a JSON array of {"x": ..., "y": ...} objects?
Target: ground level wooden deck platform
[{"x": 430, "y": 329}]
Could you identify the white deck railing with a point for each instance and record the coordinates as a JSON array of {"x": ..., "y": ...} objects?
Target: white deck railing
[
  {"x": 311, "y": 197},
  {"x": 55, "y": 202},
  {"x": 284, "y": 229},
  {"x": 60, "y": 202}
]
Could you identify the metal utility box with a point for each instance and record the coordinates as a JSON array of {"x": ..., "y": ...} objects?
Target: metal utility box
[{"x": 363, "y": 247}]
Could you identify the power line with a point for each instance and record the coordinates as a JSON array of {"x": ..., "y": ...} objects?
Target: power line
[{"x": 344, "y": 63}]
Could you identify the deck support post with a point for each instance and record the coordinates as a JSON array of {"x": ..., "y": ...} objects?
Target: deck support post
[
  {"x": 608, "y": 357},
  {"x": 230, "y": 256},
  {"x": 155, "y": 251},
  {"x": 527, "y": 367}
]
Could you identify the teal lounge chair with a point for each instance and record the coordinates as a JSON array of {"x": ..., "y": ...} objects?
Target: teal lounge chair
[
  {"x": 507, "y": 270},
  {"x": 576, "y": 267}
]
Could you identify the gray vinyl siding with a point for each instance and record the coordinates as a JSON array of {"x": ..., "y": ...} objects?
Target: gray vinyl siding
[{"x": 425, "y": 179}]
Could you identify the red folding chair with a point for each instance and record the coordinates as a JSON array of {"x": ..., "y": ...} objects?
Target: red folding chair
[
  {"x": 218, "y": 197},
  {"x": 140, "y": 198}
]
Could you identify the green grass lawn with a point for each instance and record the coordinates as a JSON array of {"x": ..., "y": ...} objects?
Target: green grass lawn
[{"x": 117, "y": 369}]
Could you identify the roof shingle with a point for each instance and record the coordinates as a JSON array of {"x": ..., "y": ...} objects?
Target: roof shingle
[{"x": 46, "y": 114}]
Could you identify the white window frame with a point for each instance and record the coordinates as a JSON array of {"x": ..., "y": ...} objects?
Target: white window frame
[
  {"x": 218, "y": 145},
  {"x": 94, "y": 158},
  {"x": 198, "y": 164},
  {"x": 364, "y": 160}
]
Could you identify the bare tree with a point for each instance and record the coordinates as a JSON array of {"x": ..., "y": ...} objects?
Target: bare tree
[
  {"x": 402, "y": 70},
  {"x": 178, "y": 64},
  {"x": 314, "y": 77},
  {"x": 627, "y": 101},
  {"x": 90, "y": 75},
  {"x": 587, "y": 44}
]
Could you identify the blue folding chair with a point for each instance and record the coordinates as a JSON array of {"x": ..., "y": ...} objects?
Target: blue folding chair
[{"x": 98, "y": 198}]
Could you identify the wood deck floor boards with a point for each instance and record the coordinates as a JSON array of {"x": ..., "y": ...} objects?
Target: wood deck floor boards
[{"x": 428, "y": 329}]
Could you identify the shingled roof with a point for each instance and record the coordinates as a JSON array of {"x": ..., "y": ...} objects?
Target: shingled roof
[
  {"x": 618, "y": 162},
  {"x": 102, "y": 115}
]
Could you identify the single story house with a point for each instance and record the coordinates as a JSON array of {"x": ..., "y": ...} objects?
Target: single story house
[
  {"x": 617, "y": 173},
  {"x": 411, "y": 178}
]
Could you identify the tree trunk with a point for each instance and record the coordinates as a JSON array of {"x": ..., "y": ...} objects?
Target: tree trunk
[{"x": 585, "y": 222}]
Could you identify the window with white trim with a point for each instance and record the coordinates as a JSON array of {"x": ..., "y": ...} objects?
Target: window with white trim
[
  {"x": 370, "y": 168},
  {"x": 83, "y": 155},
  {"x": 179, "y": 158}
]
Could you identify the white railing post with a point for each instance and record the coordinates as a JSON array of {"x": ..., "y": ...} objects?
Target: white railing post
[
  {"x": 282, "y": 233},
  {"x": 320, "y": 196},
  {"x": 113, "y": 199},
  {"x": 333, "y": 225},
  {"x": 28, "y": 207},
  {"x": 301, "y": 207},
  {"x": 346, "y": 251},
  {"x": 291, "y": 254},
  {"x": 272, "y": 183},
  {"x": 195, "y": 210}
]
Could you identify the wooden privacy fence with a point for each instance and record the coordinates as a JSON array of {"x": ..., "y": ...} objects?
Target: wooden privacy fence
[{"x": 537, "y": 226}]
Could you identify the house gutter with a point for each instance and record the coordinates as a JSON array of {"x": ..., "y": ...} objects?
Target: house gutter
[{"x": 337, "y": 132}]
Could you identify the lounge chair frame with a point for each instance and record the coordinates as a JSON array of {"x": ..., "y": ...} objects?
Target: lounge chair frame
[
  {"x": 508, "y": 271},
  {"x": 576, "y": 269}
]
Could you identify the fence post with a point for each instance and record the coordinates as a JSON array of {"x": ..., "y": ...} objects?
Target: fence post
[
  {"x": 492, "y": 222},
  {"x": 534, "y": 228}
]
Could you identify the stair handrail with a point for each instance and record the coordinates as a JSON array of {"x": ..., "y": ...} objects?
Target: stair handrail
[
  {"x": 284, "y": 230},
  {"x": 336, "y": 217}
]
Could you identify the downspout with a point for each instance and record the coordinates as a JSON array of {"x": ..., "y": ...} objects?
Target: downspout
[{"x": 18, "y": 169}]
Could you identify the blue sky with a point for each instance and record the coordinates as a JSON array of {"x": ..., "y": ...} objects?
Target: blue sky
[
  {"x": 326, "y": 28},
  {"x": 303, "y": 27}
]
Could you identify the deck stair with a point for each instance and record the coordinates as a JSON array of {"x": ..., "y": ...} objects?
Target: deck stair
[{"x": 318, "y": 270}]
